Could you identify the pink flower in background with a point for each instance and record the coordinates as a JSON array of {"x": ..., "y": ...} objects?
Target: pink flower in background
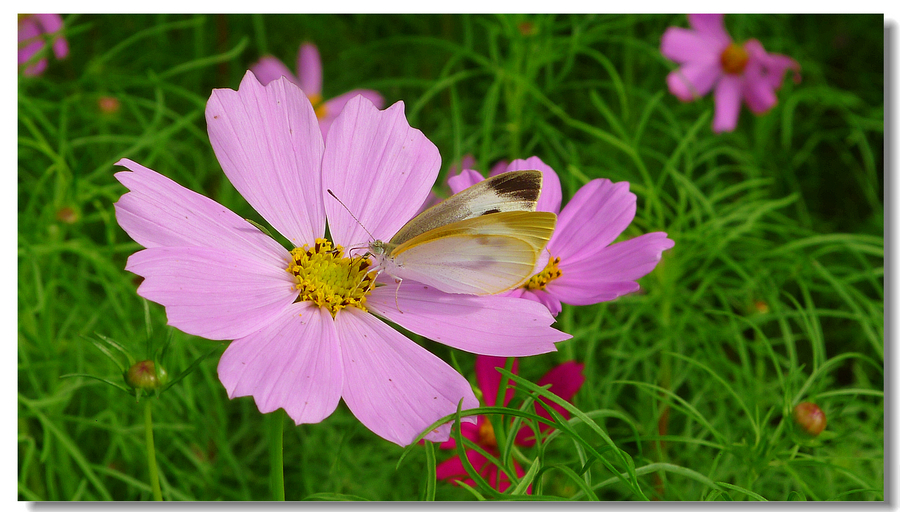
[
  {"x": 34, "y": 30},
  {"x": 307, "y": 324},
  {"x": 309, "y": 79},
  {"x": 710, "y": 60},
  {"x": 565, "y": 380},
  {"x": 580, "y": 266}
]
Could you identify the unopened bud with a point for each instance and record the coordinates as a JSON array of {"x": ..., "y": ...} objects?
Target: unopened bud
[
  {"x": 146, "y": 375},
  {"x": 810, "y": 418}
]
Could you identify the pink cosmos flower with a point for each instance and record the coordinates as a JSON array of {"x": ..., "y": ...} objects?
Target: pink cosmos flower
[
  {"x": 711, "y": 60},
  {"x": 580, "y": 266},
  {"x": 309, "y": 79},
  {"x": 308, "y": 324},
  {"x": 565, "y": 380},
  {"x": 34, "y": 30}
]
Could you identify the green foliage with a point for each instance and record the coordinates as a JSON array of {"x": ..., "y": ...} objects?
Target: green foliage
[{"x": 772, "y": 295}]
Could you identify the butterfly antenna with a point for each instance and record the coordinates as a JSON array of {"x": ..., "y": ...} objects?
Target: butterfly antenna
[{"x": 371, "y": 237}]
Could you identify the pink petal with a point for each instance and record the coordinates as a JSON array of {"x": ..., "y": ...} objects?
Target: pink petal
[
  {"x": 611, "y": 272},
  {"x": 565, "y": 380},
  {"x": 549, "y": 301},
  {"x": 212, "y": 293},
  {"x": 161, "y": 213},
  {"x": 29, "y": 30},
  {"x": 489, "y": 378},
  {"x": 309, "y": 69},
  {"x": 53, "y": 23},
  {"x": 334, "y": 106},
  {"x": 682, "y": 46},
  {"x": 771, "y": 66},
  {"x": 595, "y": 216},
  {"x": 695, "y": 79},
  {"x": 728, "y": 103},
  {"x": 500, "y": 166},
  {"x": 452, "y": 469},
  {"x": 711, "y": 25},
  {"x": 551, "y": 191},
  {"x": 293, "y": 363},
  {"x": 758, "y": 92},
  {"x": 268, "y": 69},
  {"x": 488, "y": 325},
  {"x": 467, "y": 162},
  {"x": 395, "y": 387},
  {"x": 268, "y": 141},
  {"x": 464, "y": 180},
  {"x": 379, "y": 167}
]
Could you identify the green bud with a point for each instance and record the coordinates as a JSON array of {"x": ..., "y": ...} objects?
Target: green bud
[
  {"x": 810, "y": 418},
  {"x": 146, "y": 375}
]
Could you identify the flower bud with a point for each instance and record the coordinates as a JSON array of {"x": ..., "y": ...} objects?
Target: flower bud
[
  {"x": 810, "y": 418},
  {"x": 146, "y": 375}
]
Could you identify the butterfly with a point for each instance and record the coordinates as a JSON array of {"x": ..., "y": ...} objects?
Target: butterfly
[{"x": 484, "y": 240}]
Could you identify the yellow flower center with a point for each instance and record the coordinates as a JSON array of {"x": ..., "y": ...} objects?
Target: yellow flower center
[
  {"x": 734, "y": 59},
  {"x": 328, "y": 279},
  {"x": 486, "y": 437},
  {"x": 540, "y": 280},
  {"x": 318, "y": 105}
]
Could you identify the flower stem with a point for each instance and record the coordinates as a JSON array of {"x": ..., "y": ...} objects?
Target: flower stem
[
  {"x": 151, "y": 449},
  {"x": 276, "y": 454}
]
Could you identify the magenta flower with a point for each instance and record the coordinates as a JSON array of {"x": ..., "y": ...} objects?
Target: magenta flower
[
  {"x": 307, "y": 323},
  {"x": 34, "y": 30},
  {"x": 565, "y": 380},
  {"x": 580, "y": 266},
  {"x": 309, "y": 79},
  {"x": 711, "y": 60}
]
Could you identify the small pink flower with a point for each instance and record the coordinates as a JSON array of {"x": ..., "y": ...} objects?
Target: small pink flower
[
  {"x": 565, "y": 380},
  {"x": 34, "y": 30},
  {"x": 309, "y": 80},
  {"x": 579, "y": 266},
  {"x": 711, "y": 60},
  {"x": 307, "y": 324}
]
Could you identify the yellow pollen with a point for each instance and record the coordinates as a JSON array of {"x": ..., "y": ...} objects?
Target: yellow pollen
[
  {"x": 734, "y": 59},
  {"x": 486, "y": 437},
  {"x": 328, "y": 279},
  {"x": 318, "y": 105},
  {"x": 539, "y": 281}
]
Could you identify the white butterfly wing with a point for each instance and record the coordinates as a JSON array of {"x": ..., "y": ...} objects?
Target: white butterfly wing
[{"x": 479, "y": 256}]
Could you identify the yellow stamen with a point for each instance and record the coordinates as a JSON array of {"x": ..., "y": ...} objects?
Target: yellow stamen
[
  {"x": 328, "y": 279},
  {"x": 539, "y": 281},
  {"x": 734, "y": 59},
  {"x": 318, "y": 105}
]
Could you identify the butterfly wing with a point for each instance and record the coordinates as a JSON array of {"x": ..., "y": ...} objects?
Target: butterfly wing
[
  {"x": 480, "y": 256},
  {"x": 506, "y": 192}
]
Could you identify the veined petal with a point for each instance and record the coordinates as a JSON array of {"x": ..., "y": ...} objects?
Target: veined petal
[
  {"x": 551, "y": 191},
  {"x": 597, "y": 214},
  {"x": 728, "y": 103},
  {"x": 393, "y": 386},
  {"x": 157, "y": 212},
  {"x": 711, "y": 25},
  {"x": 309, "y": 69},
  {"x": 379, "y": 167},
  {"x": 335, "y": 105},
  {"x": 294, "y": 363},
  {"x": 693, "y": 80},
  {"x": 212, "y": 293},
  {"x": 682, "y": 45},
  {"x": 488, "y": 325},
  {"x": 268, "y": 141},
  {"x": 464, "y": 180},
  {"x": 269, "y": 69},
  {"x": 488, "y": 378}
]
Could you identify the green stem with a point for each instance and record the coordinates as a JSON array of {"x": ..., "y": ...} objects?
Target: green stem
[
  {"x": 151, "y": 449},
  {"x": 276, "y": 454}
]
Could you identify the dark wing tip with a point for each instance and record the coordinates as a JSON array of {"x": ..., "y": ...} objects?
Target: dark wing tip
[{"x": 518, "y": 184}]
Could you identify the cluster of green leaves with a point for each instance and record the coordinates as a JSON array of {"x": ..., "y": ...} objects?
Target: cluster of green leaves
[{"x": 772, "y": 295}]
